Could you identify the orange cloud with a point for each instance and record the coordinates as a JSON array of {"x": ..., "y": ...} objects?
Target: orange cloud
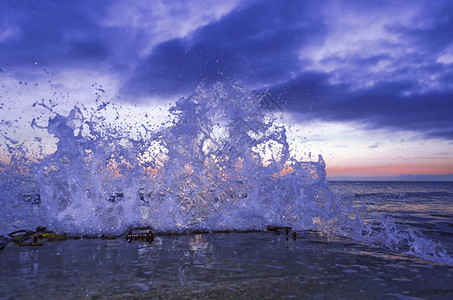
[{"x": 391, "y": 170}]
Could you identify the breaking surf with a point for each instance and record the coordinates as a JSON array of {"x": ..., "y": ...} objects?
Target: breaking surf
[{"x": 222, "y": 162}]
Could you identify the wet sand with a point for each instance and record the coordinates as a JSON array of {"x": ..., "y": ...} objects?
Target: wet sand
[{"x": 263, "y": 265}]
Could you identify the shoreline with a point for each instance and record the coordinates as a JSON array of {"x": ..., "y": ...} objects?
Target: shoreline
[{"x": 255, "y": 264}]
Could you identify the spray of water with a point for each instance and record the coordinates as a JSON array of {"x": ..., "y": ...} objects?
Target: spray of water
[{"x": 221, "y": 163}]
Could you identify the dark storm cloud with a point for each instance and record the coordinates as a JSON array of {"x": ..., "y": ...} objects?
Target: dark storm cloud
[
  {"x": 52, "y": 33},
  {"x": 176, "y": 67},
  {"x": 261, "y": 44},
  {"x": 432, "y": 34},
  {"x": 258, "y": 44},
  {"x": 384, "y": 105},
  {"x": 384, "y": 64}
]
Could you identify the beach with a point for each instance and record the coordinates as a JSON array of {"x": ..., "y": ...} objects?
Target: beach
[{"x": 252, "y": 265}]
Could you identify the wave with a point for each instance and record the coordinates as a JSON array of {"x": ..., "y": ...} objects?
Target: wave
[{"x": 222, "y": 163}]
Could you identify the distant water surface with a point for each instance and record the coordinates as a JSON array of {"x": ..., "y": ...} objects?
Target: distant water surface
[{"x": 427, "y": 206}]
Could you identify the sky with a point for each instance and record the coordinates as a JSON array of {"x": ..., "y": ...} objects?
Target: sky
[{"x": 367, "y": 84}]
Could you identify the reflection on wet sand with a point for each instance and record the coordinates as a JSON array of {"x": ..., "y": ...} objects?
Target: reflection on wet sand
[{"x": 218, "y": 265}]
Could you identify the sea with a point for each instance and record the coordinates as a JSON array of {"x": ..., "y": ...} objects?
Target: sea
[
  {"x": 426, "y": 206},
  {"x": 248, "y": 265},
  {"x": 212, "y": 204}
]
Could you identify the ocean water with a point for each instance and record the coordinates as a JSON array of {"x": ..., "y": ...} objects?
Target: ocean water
[
  {"x": 425, "y": 206},
  {"x": 220, "y": 163},
  {"x": 248, "y": 265}
]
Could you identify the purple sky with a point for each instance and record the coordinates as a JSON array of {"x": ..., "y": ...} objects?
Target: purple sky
[{"x": 370, "y": 75}]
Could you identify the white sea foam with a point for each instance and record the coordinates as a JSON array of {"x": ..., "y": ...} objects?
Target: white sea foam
[{"x": 223, "y": 163}]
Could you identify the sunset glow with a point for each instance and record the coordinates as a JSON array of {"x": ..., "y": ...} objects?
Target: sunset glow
[{"x": 388, "y": 170}]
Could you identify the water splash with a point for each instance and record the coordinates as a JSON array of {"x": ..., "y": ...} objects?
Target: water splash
[{"x": 222, "y": 162}]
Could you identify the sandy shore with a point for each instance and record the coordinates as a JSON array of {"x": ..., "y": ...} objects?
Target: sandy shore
[{"x": 222, "y": 265}]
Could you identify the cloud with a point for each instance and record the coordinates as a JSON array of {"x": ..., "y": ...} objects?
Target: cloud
[
  {"x": 330, "y": 61},
  {"x": 385, "y": 65},
  {"x": 49, "y": 33},
  {"x": 430, "y": 29},
  {"x": 258, "y": 43},
  {"x": 384, "y": 105},
  {"x": 87, "y": 34},
  {"x": 155, "y": 22},
  {"x": 373, "y": 146}
]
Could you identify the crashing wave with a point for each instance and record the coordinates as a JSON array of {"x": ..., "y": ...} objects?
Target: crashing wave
[{"x": 222, "y": 163}]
